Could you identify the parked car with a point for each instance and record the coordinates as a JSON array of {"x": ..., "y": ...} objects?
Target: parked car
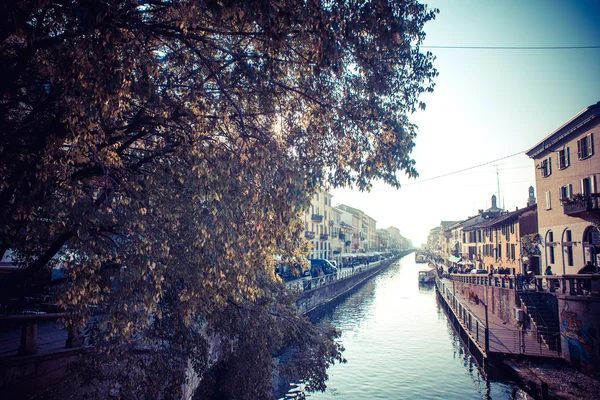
[
  {"x": 479, "y": 271},
  {"x": 321, "y": 264}
]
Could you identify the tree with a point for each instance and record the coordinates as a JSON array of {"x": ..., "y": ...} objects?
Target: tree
[{"x": 172, "y": 146}]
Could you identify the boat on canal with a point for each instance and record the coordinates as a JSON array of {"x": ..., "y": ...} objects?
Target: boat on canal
[
  {"x": 420, "y": 258},
  {"x": 427, "y": 275}
]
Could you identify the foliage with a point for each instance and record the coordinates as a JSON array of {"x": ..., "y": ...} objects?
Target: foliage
[{"x": 170, "y": 147}]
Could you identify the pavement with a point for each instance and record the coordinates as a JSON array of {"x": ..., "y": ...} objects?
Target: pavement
[{"x": 544, "y": 379}]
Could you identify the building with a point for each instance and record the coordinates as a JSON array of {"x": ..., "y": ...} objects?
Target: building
[
  {"x": 567, "y": 168},
  {"x": 318, "y": 225},
  {"x": 364, "y": 228},
  {"x": 501, "y": 240}
]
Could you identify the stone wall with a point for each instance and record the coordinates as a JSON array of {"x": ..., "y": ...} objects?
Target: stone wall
[
  {"x": 312, "y": 299},
  {"x": 500, "y": 301},
  {"x": 579, "y": 329}
]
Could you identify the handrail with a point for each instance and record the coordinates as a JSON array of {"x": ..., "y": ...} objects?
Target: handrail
[
  {"x": 304, "y": 284},
  {"x": 587, "y": 285}
]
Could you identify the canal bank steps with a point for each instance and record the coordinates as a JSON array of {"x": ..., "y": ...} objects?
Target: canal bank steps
[{"x": 541, "y": 377}]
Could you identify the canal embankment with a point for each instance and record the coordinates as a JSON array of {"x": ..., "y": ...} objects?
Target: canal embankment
[
  {"x": 320, "y": 291},
  {"x": 481, "y": 314}
]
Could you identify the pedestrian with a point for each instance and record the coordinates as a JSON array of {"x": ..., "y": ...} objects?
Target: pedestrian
[
  {"x": 548, "y": 270},
  {"x": 587, "y": 269}
]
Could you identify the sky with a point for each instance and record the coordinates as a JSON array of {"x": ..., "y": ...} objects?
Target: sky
[{"x": 489, "y": 105}]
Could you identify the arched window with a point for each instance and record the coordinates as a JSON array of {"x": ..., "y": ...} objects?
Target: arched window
[
  {"x": 549, "y": 242},
  {"x": 591, "y": 245}
]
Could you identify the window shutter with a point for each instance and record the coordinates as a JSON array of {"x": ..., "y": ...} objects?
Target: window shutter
[
  {"x": 548, "y": 201},
  {"x": 570, "y": 187},
  {"x": 568, "y": 157},
  {"x": 579, "y": 149},
  {"x": 549, "y": 165},
  {"x": 560, "y": 165},
  {"x": 591, "y": 144}
]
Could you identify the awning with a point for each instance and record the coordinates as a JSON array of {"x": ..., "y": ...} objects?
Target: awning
[{"x": 454, "y": 259}]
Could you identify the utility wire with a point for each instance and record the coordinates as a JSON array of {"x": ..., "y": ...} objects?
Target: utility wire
[
  {"x": 512, "y": 47},
  {"x": 462, "y": 170}
]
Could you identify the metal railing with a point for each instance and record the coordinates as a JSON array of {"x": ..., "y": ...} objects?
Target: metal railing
[
  {"x": 311, "y": 283},
  {"x": 587, "y": 285},
  {"x": 27, "y": 334},
  {"x": 538, "y": 341}
]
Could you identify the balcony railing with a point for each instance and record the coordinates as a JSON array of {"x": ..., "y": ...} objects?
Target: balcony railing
[
  {"x": 580, "y": 205},
  {"x": 309, "y": 235},
  {"x": 317, "y": 217},
  {"x": 324, "y": 236}
]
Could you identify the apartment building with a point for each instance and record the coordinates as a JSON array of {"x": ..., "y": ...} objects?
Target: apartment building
[
  {"x": 567, "y": 170},
  {"x": 364, "y": 227},
  {"x": 501, "y": 241},
  {"x": 318, "y": 225}
]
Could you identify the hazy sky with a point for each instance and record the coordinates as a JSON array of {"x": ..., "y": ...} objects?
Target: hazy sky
[{"x": 489, "y": 104}]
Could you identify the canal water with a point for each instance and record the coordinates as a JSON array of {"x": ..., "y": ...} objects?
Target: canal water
[{"x": 400, "y": 345}]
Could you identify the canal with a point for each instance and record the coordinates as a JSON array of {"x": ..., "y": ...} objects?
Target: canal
[{"x": 400, "y": 345}]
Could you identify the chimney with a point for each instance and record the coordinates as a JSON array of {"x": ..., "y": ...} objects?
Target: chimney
[{"x": 494, "y": 201}]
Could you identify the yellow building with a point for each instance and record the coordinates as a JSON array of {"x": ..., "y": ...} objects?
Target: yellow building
[
  {"x": 501, "y": 241},
  {"x": 567, "y": 167}
]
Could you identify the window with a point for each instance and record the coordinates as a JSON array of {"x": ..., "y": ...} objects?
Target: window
[
  {"x": 513, "y": 251},
  {"x": 551, "y": 247},
  {"x": 546, "y": 167},
  {"x": 548, "y": 201},
  {"x": 588, "y": 185},
  {"x": 569, "y": 237},
  {"x": 564, "y": 158},
  {"x": 585, "y": 147},
  {"x": 499, "y": 251},
  {"x": 565, "y": 192}
]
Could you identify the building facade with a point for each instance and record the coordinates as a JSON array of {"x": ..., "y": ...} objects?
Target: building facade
[{"x": 567, "y": 173}]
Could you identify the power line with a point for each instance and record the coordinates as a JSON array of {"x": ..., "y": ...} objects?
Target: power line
[
  {"x": 463, "y": 170},
  {"x": 511, "y": 47}
]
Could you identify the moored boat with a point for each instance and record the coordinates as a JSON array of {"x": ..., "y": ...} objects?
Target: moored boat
[
  {"x": 420, "y": 258},
  {"x": 427, "y": 275}
]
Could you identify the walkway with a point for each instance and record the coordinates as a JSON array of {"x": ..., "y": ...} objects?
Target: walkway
[{"x": 503, "y": 338}]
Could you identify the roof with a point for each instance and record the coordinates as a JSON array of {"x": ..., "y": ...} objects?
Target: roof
[
  {"x": 349, "y": 209},
  {"x": 578, "y": 121},
  {"x": 446, "y": 224},
  {"x": 509, "y": 216}
]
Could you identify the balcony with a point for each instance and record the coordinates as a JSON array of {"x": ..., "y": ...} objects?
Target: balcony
[
  {"x": 580, "y": 205},
  {"x": 309, "y": 235},
  {"x": 324, "y": 236},
  {"x": 317, "y": 218}
]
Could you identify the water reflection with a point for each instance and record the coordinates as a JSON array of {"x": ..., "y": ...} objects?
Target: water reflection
[{"x": 400, "y": 345}]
